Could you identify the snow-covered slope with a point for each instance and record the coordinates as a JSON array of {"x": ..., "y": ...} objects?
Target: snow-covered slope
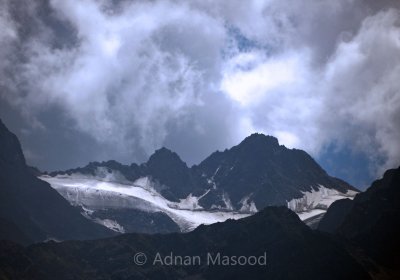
[
  {"x": 107, "y": 190},
  {"x": 93, "y": 193},
  {"x": 317, "y": 201}
]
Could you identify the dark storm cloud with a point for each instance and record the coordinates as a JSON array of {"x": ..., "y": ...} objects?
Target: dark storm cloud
[{"x": 127, "y": 77}]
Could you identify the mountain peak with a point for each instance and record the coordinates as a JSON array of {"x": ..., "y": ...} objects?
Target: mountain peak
[
  {"x": 260, "y": 139},
  {"x": 168, "y": 168},
  {"x": 165, "y": 155},
  {"x": 163, "y": 150}
]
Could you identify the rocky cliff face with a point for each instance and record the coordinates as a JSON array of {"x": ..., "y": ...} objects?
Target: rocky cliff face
[{"x": 31, "y": 210}]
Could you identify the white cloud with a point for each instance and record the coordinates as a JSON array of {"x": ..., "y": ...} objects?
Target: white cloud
[
  {"x": 248, "y": 77},
  {"x": 124, "y": 77},
  {"x": 362, "y": 90},
  {"x": 353, "y": 100},
  {"x": 288, "y": 139},
  {"x": 7, "y": 26}
]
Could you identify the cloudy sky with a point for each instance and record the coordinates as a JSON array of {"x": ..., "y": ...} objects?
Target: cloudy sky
[{"x": 116, "y": 79}]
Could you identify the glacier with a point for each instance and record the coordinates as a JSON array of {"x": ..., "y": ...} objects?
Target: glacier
[
  {"x": 94, "y": 193},
  {"x": 105, "y": 190}
]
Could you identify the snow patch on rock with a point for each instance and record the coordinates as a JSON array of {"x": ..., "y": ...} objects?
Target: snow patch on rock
[
  {"x": 227, "y": 201},
  {"x": 247, "y": 205},
  {"x": 317, "y": 201},
  {"x": 111, "y": 224},
  {"x": 189, "y": 203},
  {"x": 321, "y": 198}
]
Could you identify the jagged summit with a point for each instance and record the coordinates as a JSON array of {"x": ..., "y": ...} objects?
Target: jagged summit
[
  {"x": 165, "y": 156},
  {"x": 260, "y": 139},
  {"x": 169, "y": 169}
]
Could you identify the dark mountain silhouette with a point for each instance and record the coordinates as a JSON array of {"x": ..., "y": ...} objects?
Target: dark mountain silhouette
[
  {"x": 293, "y": 251},
  {"x": 30, "y": 210},
  {"x": 372, "y": 222},
  {"x": 335, "y": 215},
  {"x": 168, "y": 168}
]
